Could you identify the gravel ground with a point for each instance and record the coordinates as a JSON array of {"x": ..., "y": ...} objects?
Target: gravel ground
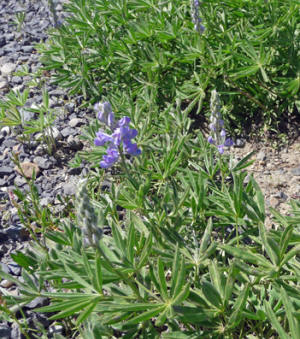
[
  {"x": 278, "y": 173},
  {"x": 17, "y": 49}
]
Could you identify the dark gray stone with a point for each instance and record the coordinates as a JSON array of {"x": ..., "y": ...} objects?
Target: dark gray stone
[
  {"x": 2, "y": 41},
  {"x": 42, "y": 162},
  {"x": 15, "y": 269},
  {"x": 5, "y": 170},
  {"x": 5, "y": 332}
]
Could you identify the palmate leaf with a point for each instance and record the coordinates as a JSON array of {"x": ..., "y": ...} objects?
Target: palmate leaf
[{"x": 71, "y": 307}]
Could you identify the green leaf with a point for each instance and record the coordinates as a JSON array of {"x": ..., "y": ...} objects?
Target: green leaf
[
  {"x": 131, "y": 243},
  {"x": 145, "y": 316},
  {"x": 284, "y": 240},
  {"x": 245, "y": 71},
  {"x": 145, "y": 252},
  {"x": 274, "y": 321},
  {"x": 79, "y": 279},
  {"x": 138, "y": 223},
  {"x": 244, "y": 254},
  {"x": 206, "y": 236},
  {"x": 238, "y": 307},
  {"x": 98, "y": 281},
  {"x": 85, "y": 314},
  {"x": 211, "y": 294},
  {"x": 162, "y": 280},
  {"x": 289, "y": 309}
]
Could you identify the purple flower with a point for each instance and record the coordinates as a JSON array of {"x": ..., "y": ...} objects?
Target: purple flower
[
  {"x": 111, "y": 157},
  {"x": 223, "y": 133},
  {"x": 131, "y": 148},
  {"x": 221, "y": 149},
  {"x": 218, "y": 133},
  {"x": 125, "y": 121},
  {"x": 210, "y": 140},
  {"x": 228, "y": 142},
  {"x": 102, "y": 138},
  {"x": 195, "y": 17},
  {"x": 105, "y": 114},
  {"x": 121, "y": 133}
]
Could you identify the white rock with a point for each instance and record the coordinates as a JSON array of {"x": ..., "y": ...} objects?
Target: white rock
[
  {"x": 75, "y": 122},
  {"x": 3, "y": 84},
  {"x": 8, "y": 68}
]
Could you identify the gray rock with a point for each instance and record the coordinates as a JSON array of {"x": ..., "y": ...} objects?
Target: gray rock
[
  {"x": 15, "y": 269},
  {"x": 19, "y": 181},
  {"x": 42, "y": 162},
  {"x": 2, "y": 41},
  {"x": 26, "y": 115},
  {"x": 4, "y": 268},
  {"x": 55, "y": 133},
  {"x": 261, "y": 156},
  {"x": 38, "y": 302},
  {"x": 15, "y": 331},
  {"x": 7, "y": 69},
  {"x": 5, "y": 332},
  {"x": 9, "y": 142},
  {"x": 27, "y": 49},
  {"x": 5, "y": 170},
  {"x": 3, "y": 84},
  {"x": 296, "y": 171},
  {"x": 6, "y": 283},
  {"x": 76, "y": 122},
  {"x": 239, "y": 143},
  {"x": 5, "y": 131},
  {"x": 69, "y": 188},
  {"x": 68, "y": 131},
  {"x": 74, "y": 143}
]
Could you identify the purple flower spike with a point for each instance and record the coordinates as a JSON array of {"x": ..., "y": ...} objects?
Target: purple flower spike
[{"x": 121, "y": 132}]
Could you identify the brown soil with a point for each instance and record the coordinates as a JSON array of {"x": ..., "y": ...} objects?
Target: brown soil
[{"x": 277, "y": 173}]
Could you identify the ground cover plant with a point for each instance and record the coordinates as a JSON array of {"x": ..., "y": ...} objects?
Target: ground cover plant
[
  {"x": 249, "y": 51},
  {"x": 187, "y": 254}
]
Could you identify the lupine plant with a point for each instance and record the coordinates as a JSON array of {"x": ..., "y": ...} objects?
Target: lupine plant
[
  {"x": 248, "y": 50},
  {"x": 168, "y": 266},
  {"x": 175, "y": 245}
]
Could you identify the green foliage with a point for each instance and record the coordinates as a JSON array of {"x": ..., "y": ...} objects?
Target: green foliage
[
  {"x": 189, "y": 258},
  {"x": 249, "y": 52},
  {"x": 177, "y": 246}
]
